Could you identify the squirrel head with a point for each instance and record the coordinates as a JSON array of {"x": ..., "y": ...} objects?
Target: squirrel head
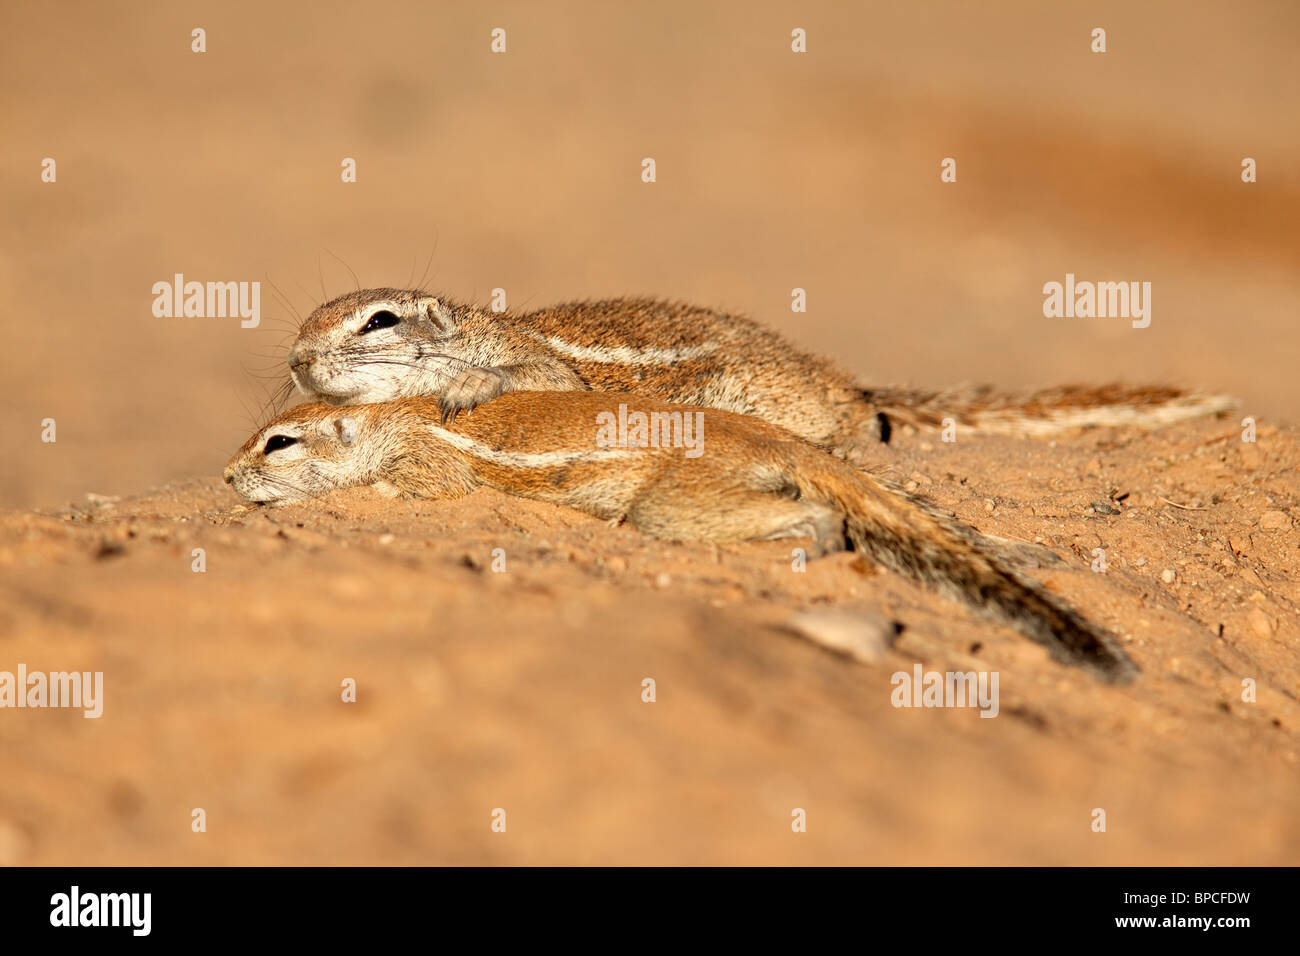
[
  {"x": 374, "y": 345},
  {"x": 307, "y": 451}
]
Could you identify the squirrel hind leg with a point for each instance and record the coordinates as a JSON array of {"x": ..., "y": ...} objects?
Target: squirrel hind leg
[
  {"x": 862, "y": 428},
  {"x": 767, "y": 518},
  {"x": 869, "y": 424},
  {"x": 748, "y": 515},
  {"x": 808, "y": 519}
]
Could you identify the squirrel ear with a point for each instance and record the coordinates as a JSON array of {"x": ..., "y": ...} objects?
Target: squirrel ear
[
  {"x": 342, "y": 427},
  {"x": 432, "y": 310},
  {"x": 346, "y": 429}
]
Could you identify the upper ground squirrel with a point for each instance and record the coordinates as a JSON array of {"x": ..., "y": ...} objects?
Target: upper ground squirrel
[
  {"x": 748, "y": 481},
  {"x": 376, "y": 345}
]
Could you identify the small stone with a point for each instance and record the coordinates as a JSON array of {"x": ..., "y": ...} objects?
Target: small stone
[
  {"x": 919, "y": 478},
  {"x": 911, "y": 486},
  {"x": 1140, "y": 562},
  {"x": 663, "y": 580},
  {"x": 1169, "y": 575},
  {"x": 1104, "y": 508},
  {"x": 1259, "y": 622},
  {"x": 617, "y": 564},
  {"x": 109, "y": 549},
  {"x": 386, "y": 539},
  {"x": 864, "y": 566},
  {"x": 1274, "y": 521},
  {"x": 862, "y": 636},
  {"x": 988, "y": 505}
]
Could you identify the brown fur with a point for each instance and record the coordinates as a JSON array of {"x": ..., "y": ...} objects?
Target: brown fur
[
  {"x": 472, "y": 355},
  {"x": 673, "y": 352},
  {"x": 753, "y": 481}
]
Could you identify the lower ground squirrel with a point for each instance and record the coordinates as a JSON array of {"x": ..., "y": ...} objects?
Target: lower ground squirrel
[{"x": 742, "y": 480}]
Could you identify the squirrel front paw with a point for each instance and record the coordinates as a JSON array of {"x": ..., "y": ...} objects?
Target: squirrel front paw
[{"x": 472, "y": 388}]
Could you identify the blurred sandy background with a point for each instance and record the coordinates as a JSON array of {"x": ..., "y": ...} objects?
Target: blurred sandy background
[
  {"x": 522, "y": 171},
  {"x": 522, "y": 690}
]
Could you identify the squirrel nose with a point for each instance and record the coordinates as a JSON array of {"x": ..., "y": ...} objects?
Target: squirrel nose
[
  {"x": 300, "y": 359},
  {"x": 229, "y": 475}
]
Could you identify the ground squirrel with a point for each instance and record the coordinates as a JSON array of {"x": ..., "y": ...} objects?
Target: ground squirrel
[
  {"x": 376, "y": 345},
  {"x": 746, "y": 480}
]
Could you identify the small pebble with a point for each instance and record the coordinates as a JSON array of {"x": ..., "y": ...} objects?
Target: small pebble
[
  {"x": 1274, "y": 521},
  {"x": 862, "y": 636},
  {"x": 1169, "y": 575},
  {"x": 1259, "y": 622}
]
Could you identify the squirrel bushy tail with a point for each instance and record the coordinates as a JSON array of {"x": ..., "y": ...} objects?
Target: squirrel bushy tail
[
  {"x": 912, "y": 539},
  {"x": 1048, "y": 411}
]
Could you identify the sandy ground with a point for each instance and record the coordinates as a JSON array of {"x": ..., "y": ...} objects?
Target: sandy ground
[{"x": 522, "y": 689}]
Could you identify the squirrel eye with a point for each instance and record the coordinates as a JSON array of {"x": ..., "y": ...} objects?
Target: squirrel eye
[
  {"x": 276, "y": 442},
  {"x": 380, "y": 320}
]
